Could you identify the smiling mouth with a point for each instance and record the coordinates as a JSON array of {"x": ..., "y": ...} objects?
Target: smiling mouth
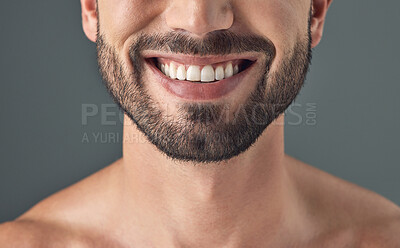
[
  {"x": 200, "y": 78},
  {"x": 200, "y": 72}
]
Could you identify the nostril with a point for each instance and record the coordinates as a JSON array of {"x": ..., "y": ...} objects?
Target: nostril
[{"x": 199, "y": 17}]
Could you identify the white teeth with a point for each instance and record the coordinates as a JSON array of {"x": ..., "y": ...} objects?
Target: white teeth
[
  {"x": 163, "y": 68},
  {"x": 229, "y": 70},
  {"x": 207, "y": 74},
  {"x": 167, "y": 70},
  {"x": 235, "y": 70},
  {"x": 172, "y": 71},
  {"x": 193, "y": 73},
  {"x": 219, "y": 73},
  {"x": 181, "y": 73}
]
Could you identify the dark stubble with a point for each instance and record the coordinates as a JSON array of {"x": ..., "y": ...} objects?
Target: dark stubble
[{"x": 199, "y": 132}]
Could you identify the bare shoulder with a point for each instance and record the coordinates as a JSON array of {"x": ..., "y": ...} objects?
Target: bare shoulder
[
  {"x": 383, "y": 233},
  {"x": 13, "y": 234},
  {"x": 77, "y": 202},
  {"x": 35, "y": 234},
  {"x": 366, "y": 218},
  {"x": 65, "y": 219}
]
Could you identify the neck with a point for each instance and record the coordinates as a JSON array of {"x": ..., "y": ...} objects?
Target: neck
[{"x": 225, "y": 204}]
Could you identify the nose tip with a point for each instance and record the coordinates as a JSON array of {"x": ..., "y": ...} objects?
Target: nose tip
[{"x": 199, "y": 17}]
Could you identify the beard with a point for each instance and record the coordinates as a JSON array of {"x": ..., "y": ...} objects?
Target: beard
[{"x": 199, "y": 132}]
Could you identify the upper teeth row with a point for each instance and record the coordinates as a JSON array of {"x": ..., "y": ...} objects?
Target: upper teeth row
[{"x": 193, "y": 73}]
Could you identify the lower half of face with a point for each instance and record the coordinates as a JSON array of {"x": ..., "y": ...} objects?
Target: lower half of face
[{"x": 203, "y": 100}]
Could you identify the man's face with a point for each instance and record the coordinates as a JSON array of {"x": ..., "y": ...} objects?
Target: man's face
[{"x": 203, "y": 79}]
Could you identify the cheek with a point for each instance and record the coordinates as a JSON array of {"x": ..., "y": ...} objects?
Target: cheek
[
  {"x": 281, "y": 21},
  {"x": 119, "y": 19}
]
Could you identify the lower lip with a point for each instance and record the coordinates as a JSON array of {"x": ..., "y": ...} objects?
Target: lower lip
[{"x": 198, "y": 91}]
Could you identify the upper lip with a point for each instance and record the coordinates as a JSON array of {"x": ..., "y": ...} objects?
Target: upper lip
[{"x": 199, "y": 60}]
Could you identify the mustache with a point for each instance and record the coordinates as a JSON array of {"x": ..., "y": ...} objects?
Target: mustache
[{"x": 221, "y": 42}]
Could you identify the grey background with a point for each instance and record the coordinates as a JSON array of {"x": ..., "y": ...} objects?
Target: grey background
[{"x": 48, "y": 70}]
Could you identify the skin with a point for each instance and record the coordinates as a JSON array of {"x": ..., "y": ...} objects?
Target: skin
[{"x": 262, "y": 198}]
